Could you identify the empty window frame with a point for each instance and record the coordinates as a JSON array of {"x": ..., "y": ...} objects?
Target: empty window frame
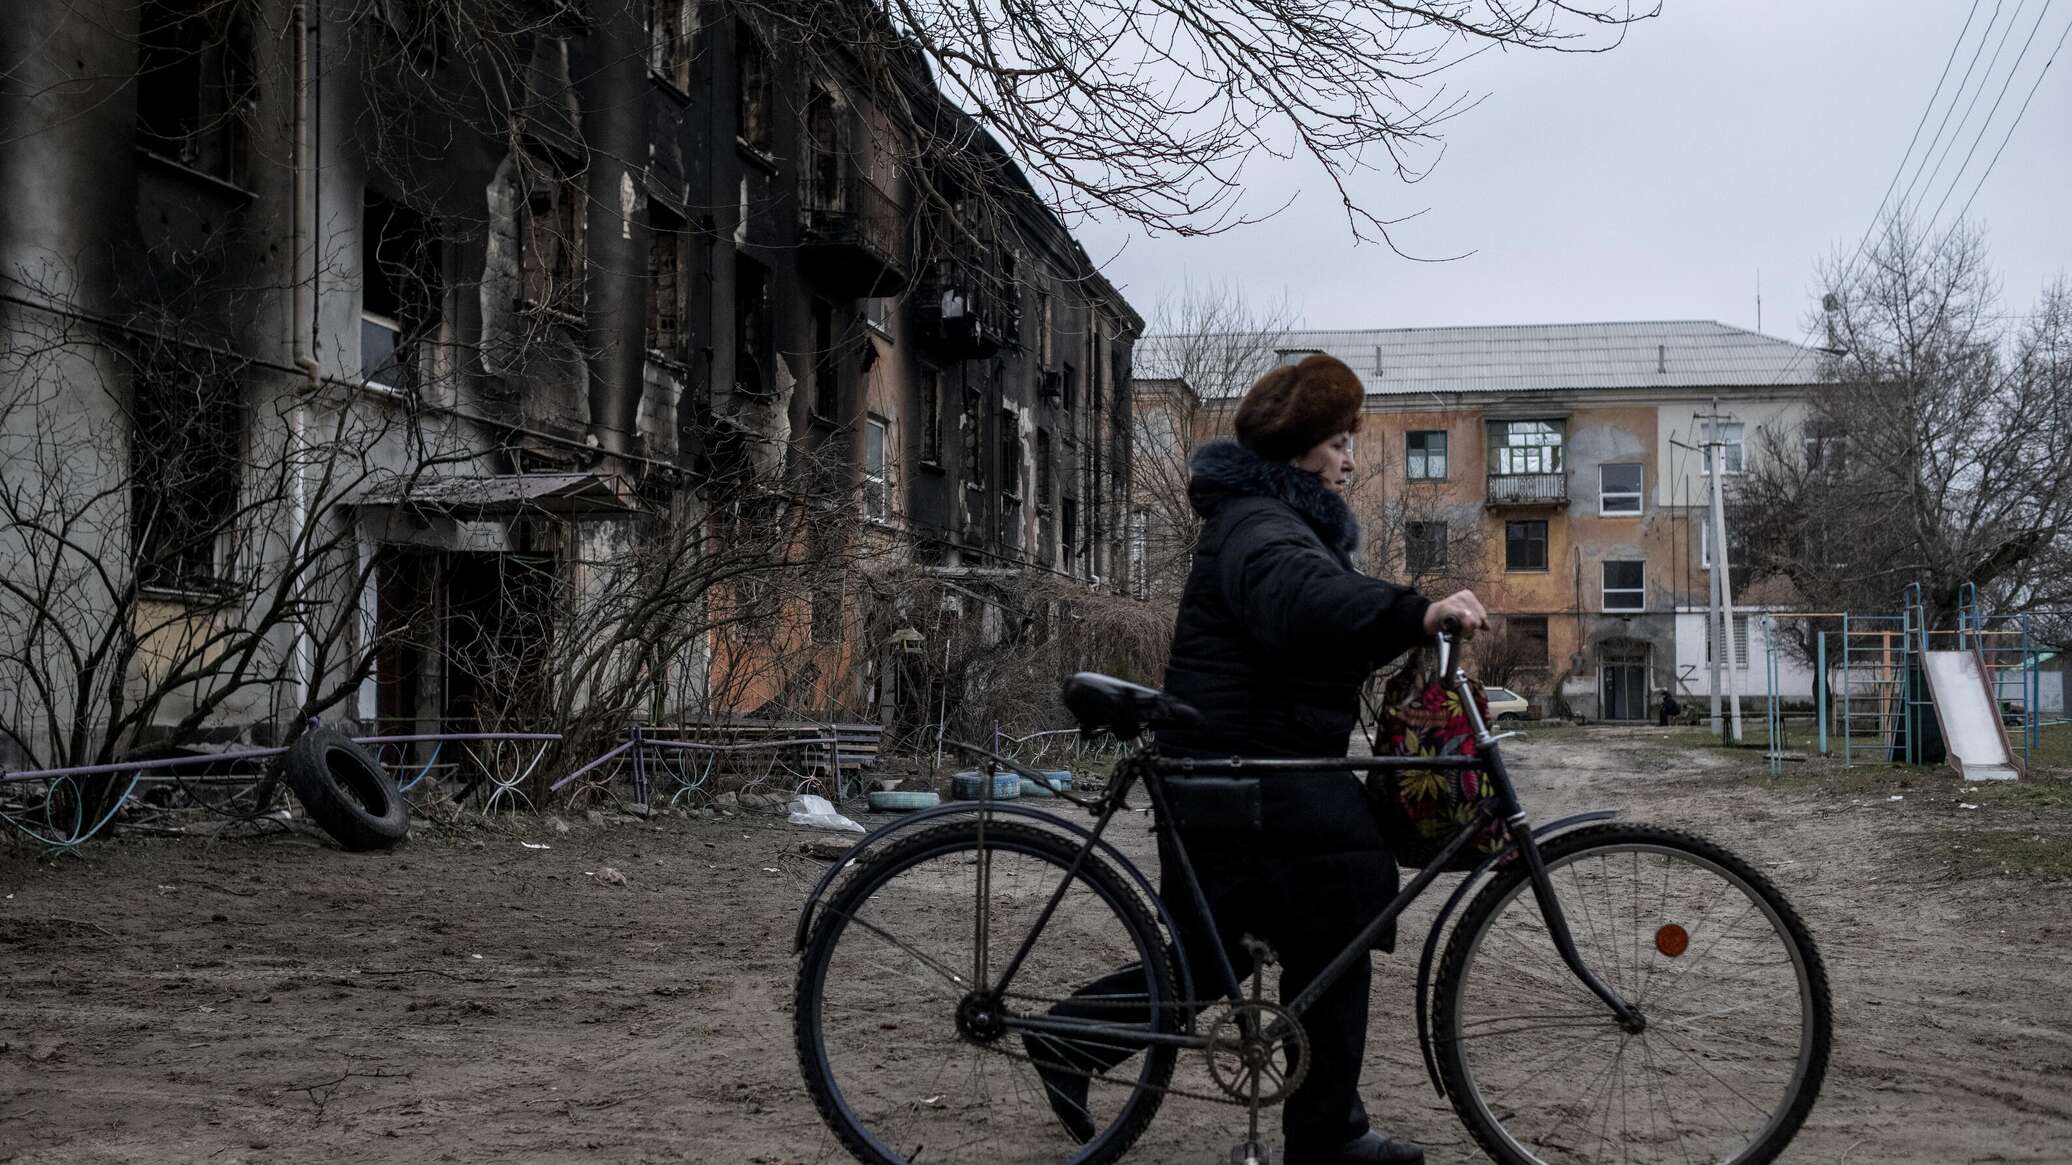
[
  {"x": 1046, "y": 468},
  {"x": 196, "y": 88},
  {"x": 1625, "y": 585},
  {"x": 1424, "y": 547},
  {"x": 753, "y": 89},
  {"x": 1424, "y": 455},
  {"x": 1619, "y": 489},
  {"x": 931, "y": 416},
  {"x": 877, "y": 487},
  {"x": 752, "y": 351},
  {"x": 401, "y": 293},
  {"x": 666, "y": 287},
  {"x": 1010, "y": 437},
  {"x": 551, "y": 241}
]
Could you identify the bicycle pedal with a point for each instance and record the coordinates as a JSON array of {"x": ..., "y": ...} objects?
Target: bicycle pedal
[{"x": 1250, "y": 1153}]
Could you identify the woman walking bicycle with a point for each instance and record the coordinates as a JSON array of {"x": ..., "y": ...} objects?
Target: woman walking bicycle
[
  {"x": 1276, "y": 635},
  {"x": 994, "y": 984}
]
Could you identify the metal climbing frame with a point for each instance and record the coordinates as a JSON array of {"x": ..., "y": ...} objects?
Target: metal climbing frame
[{"x": 1868, "y": 689}]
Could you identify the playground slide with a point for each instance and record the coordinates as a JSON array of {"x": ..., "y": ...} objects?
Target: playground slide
[{"x": 1969, "y": 716}]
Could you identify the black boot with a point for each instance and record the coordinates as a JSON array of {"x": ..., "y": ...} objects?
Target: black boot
[
  {"x": 1065, "y": 1090},
  {"x": 1371, "y": 1149}
]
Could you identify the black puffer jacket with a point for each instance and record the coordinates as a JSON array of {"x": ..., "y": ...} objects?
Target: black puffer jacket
[{"x": 1276, "y": 632}]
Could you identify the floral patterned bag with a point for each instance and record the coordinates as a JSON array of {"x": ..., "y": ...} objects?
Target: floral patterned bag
[{"x": 1421, "y": 809}]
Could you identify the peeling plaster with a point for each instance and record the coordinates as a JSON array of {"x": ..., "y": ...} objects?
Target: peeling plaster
[{"x": 626, "y": 204}]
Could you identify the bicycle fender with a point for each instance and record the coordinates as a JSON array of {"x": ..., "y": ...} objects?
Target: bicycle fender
[
  {"x": 1460, "y": 892},
  {"x": 927, "y": 816}
]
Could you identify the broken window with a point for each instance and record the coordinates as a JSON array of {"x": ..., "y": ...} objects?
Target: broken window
[
  {"x": 752, "y": 351},
  {"x": 824, "y": 153},
  {"x": 186, "y": 434},
  {"x": 401, "y": 294},
  {"x": 551, "y": 241},
  {"x": 669, "y": 29},
  {"x": 1010, "y": 435},
  {"x": 972, "y": 436},
  {"x": 665, "y": 292},
  {"x": 753, "y": 89},
  {"x": 877, "y": 491},
  {"x": 931, "y": 415},
  {"x": 1046, "y": 468},
  {"x": 195, "y": 89},
  {"x": 825, "y": 363},
  {"x": 1068, "y": 531}
]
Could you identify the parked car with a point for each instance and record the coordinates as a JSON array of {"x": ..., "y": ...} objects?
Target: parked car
[{"x": 1505, "y": 704}]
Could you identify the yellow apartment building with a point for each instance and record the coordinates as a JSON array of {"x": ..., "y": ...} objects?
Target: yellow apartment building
[{"x": 1558, "y": 470}]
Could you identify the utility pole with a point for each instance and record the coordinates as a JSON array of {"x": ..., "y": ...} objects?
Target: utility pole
[{"x": 1722, "y": 612}]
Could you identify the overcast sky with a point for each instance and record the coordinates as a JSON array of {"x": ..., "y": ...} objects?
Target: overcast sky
[{"x": 1652, "y": 182}]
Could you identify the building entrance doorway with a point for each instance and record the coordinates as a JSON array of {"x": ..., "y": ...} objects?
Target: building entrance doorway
[{"x": 1624, "y": 680}]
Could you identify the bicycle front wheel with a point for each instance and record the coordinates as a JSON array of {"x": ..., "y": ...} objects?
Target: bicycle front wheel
[
  {"x": 1720, "y": 967},
  {"x": 912, "y": 1050}
]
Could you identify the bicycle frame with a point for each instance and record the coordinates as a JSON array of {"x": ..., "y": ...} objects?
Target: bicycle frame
[{"x": 1152, "y": 770}]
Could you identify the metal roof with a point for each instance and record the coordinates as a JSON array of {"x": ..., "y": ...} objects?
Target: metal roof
[
  {"x": 1664, "y": 354},
  {"x": 492, "y": 493}
]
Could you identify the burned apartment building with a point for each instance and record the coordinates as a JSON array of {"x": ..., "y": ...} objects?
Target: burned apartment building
[{"x": 468, "y": 363}]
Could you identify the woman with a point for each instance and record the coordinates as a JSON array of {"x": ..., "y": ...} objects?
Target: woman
[{"x": 1276, "y": 634}]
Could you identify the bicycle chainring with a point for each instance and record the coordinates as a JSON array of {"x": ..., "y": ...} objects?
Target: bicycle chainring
[{"x": 1239, "y": 1062}]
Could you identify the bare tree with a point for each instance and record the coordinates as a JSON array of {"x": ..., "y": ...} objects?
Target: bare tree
[
  {"x": 1150, "y": 108},
  {"x": 1205, "y": 345},
  {"x": 1937, "y": 448}
]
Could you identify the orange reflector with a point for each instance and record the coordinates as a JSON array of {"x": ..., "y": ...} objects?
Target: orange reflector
[{"x": 1672, "y": 940}]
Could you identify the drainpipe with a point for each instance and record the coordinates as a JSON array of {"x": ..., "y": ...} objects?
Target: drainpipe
[{"x": 304, "y": 192}]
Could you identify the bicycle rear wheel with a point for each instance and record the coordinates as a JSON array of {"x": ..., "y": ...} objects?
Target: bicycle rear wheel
[
  {"x": 908, "y": 1060},
  {"x": 1726, "y": 976}
]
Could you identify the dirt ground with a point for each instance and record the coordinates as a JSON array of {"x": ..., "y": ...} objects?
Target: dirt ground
[{"x": 469, "y": 998}]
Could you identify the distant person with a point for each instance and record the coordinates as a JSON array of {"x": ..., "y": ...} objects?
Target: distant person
[{"x": 1670, "y": 708}]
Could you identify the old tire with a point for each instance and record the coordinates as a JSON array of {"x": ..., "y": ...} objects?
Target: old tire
[
  {"x": 346, "y": 791},
  {"x": 971, "y": 786},
  {"x": 900, "y": 800}
]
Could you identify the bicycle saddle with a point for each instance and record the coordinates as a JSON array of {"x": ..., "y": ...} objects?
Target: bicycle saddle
[{"x": 1123, "y": 709}]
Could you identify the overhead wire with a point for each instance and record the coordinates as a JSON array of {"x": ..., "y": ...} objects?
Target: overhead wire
[
  {"x": 1980, "y": 136},
  {"x": 2030, "y": 96}
]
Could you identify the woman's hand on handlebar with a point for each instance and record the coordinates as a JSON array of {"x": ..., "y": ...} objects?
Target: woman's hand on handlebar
[{"x": 1460, "y": 613}]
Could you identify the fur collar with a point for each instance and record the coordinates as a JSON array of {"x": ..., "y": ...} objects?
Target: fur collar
[{"x": 1224, "y": 469}]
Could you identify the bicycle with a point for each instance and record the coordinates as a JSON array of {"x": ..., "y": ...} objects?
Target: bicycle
[{"x": 921, "y": 1026}]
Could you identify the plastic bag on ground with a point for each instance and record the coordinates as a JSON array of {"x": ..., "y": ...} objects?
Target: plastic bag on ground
[{"x": 812, "y": 810}]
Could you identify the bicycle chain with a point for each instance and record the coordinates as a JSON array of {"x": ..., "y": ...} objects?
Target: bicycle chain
[{"x": 1165, "y": 1089}]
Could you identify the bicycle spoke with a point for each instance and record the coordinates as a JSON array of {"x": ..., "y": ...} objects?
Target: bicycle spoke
[{"x": 1714, "y": 1070}]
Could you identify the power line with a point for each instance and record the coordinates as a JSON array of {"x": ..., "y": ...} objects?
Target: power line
[
  {"x": 1877, "y": 216},
  {"x": 2017, "y": 121},
  {"x": 1954, "y": 98},
  {"x": 1990, "y": 113},
  {"x": 1925, "y": 111}
]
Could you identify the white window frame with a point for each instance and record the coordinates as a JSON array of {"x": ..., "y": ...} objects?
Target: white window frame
[
  {"x": 1606, "y": 591},
  {"x": 877, "y": 488},
  {"x": 1606, "y": 496},
  {"x": 1705, "y": 544},
  {"x": 1734, "y": 457}
]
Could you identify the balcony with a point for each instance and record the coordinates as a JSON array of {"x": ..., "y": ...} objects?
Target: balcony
[
  {"x": 965, "y": 315},
  {"x": 851, "y": 237},
  {"x": 1527, "y": 489}
]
